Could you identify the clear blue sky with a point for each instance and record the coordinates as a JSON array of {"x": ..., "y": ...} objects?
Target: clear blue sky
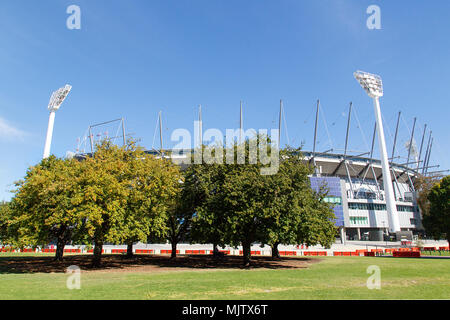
[{"x": 133, "y": 58}]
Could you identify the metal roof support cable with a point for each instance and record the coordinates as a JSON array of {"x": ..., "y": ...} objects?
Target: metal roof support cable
[
  {"x": 83, "y": 142},
  {"x": 439, "y": 150},
  {"x": 360, "y": 128},
  {"x": 326, "y": 128},
  {"x": 309, "y": 116},
  {"x": 285, "y": 128},
  {"x": 116, "y": 135},
  {"x": 386, "y": 125},
  {"x": 409, "y": 133},
  {"x": 406, "y": 125},
  {"x": 420, "y": 128},
  {"x": 305, "y": 121},
  {"x": 154, "y": 135}
]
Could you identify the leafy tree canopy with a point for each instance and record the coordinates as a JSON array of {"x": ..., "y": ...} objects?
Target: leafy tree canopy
[{"x": 437, "y": 219}]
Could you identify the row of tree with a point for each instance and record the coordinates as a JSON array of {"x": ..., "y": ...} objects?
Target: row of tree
[{"x": 122, "y": 195}]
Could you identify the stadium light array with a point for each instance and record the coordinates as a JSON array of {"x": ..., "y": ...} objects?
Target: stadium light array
[
  {"x": 55, "y": 102},
  {"x": 58, "y": 97},
  {"x": 373, "y": 86},
  {"x": 371, "y": 83}
]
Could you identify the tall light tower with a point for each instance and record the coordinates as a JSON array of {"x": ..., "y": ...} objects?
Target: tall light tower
[
  {"x": 373, "y": 86},
  {"x": 56, "y": 100}
]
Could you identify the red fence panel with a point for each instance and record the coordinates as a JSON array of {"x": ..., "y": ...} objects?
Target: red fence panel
[
  {"x": 287, "y": 253},
  {"x": 144, "y": 251},
  {"x": 168, "y": 251},
  {"x": 404, "y": 254}
]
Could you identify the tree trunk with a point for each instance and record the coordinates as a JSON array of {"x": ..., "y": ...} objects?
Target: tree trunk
[
  {"x": 246, "y": 248},
  {"x": 130, "y": 250},
  {"x": 60, "y": 244},
  {"x": 215, "y": 251},
  {"x": 98, "y": 247},
  {"x": 173, "y": 255},
  {"x": 275, "y": 252}
]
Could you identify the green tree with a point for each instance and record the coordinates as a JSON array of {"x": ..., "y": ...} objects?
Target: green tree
[
  {"x": 5, "y": 215},
  {"x": 203, "y": 184},
  {"x": 437, "y": 219},
  {"x": 125, "y": 195},
  {"x": 178, "y": 224},
  {"x": 43, "y": 208},
  {"x": 154, "y": 184},
  {"x": 423, "y": 185},
  {"x": 234, "y": 203},
  {"x": 304, "y": 216},
  {"x": 102, "y": 200},
  {"x": 241, "y": 206},
  {"x": 316, "y": 221},
  {"x": 120, "y": 195},
  {"x": 191, "y": 195}
]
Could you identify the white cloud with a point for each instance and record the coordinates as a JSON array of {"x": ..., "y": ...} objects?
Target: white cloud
[{"x": 9, "y": 132}]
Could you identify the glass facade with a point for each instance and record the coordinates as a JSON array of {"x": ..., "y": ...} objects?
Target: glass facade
[{"x": 333, "y": 184}]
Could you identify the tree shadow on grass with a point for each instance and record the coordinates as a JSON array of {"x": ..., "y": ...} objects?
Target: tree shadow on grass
[{"x": 145, "y": 263}]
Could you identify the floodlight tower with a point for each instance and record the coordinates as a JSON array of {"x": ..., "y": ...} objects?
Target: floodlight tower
[
  {"x": 56, "y": 100},
  {"x": 373, "y": 86}
]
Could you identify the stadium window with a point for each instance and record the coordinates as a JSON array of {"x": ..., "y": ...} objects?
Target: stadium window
[
  {"x": 358, "y": 220},
  {"x": 405, "y": 208},
  {"x": 379, "y": 207},
  {"x": 366, "y": 206},
  {"x": 334, "y": 200}
]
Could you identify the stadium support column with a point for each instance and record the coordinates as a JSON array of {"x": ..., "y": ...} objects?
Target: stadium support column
[
  {"x": 373, "y": 86},
  {"x": 343, "y": 235},
  {"x": 160, "y": 135},
  {"x": 241, "y": 125},
  {"x": 279, "y": 123},
  {"x": 48, "y": 140},
  {"x": 394, "y": 224},
  {"x": 421, "y": 146},
  {"x": 392, "y": 157},
  {"x": 315, "y": 137},
  {"x": 429, "y": 154}
]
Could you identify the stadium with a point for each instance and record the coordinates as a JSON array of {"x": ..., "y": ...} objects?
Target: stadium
[
  {"x": 356, "y": 184},
  {"x": 355, "y": 187}
]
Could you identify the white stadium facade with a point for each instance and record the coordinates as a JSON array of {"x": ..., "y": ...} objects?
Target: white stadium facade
[{"x": 355, "y": 186}]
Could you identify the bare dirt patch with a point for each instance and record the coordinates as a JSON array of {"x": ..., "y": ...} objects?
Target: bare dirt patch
[{"x": 145, "y": 263}]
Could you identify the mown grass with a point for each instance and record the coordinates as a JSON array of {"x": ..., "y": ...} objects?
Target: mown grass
[
  {"x": 332, "y": 278},
  {"x": 444, "y": 253}
]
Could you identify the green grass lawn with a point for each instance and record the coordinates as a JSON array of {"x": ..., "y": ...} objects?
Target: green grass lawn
[
  {"x": 332, "y": 278},
  {"x": 435, "y": 253}
]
